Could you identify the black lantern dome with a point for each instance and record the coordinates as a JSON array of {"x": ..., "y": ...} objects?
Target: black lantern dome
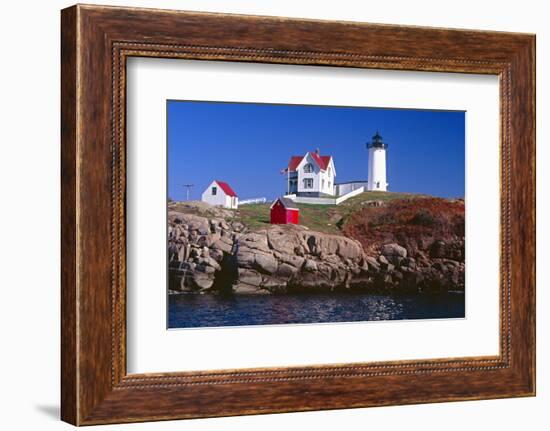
[{"x": 377, "y": 142}]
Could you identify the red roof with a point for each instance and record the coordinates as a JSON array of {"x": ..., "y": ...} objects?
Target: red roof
[
  {"x": 294, "y": 162},
  {"x": 322, "y": 161},
  {"x": 226, "y": 188},
  {"x": 325, "y": 160}
]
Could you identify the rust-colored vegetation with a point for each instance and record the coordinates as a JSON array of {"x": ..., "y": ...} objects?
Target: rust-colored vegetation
[{"x": 412, "y": 223}]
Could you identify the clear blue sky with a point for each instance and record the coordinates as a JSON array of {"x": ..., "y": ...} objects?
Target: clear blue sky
[{"x": 247, "y": 145}]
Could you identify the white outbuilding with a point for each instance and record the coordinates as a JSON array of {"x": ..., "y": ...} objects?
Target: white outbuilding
[{"x": 219, "y": 193}]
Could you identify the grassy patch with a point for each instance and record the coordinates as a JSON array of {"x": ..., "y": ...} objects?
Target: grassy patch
[
  {"x": 254, "y": 216},
  {"x": 315, "y": 217},
  {"x": 321, "y": 218}
]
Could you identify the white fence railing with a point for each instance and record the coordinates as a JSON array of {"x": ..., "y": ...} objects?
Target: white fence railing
[
  {"x": 253, "y": 201},
  {"x": 356, "y": 192},
  {"x": 325, "y": 201}
]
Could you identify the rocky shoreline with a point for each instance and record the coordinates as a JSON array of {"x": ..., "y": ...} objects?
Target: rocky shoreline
[{"x": 208, "y": 253}]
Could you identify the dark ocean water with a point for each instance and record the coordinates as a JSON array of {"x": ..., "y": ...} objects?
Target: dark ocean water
[{"x": 207, "y": 310}]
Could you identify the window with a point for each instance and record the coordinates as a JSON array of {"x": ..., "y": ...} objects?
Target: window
[
  {"x": 308, "y": 168},
  {"x": 214, "y": 191},
  {"x": 329, "y": 172},
  {"x": 329, "y": 184},
  {"x": 323, "y": 183},
  {"x": 308, "y": 183}
]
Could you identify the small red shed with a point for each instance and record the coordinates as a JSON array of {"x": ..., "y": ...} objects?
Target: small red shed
[{"x": 284, "y": 211}]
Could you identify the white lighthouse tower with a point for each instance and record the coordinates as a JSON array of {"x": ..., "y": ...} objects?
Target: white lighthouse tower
[{"x": 377, "y": 164}]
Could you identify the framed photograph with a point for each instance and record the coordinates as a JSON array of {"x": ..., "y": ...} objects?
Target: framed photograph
[{"x": 266, "y": 215}]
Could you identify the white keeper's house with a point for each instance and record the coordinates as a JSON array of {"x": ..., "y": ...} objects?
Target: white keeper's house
[
  {"x": 219, "y": 193},
  {"x": 311, "y": 175}
]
